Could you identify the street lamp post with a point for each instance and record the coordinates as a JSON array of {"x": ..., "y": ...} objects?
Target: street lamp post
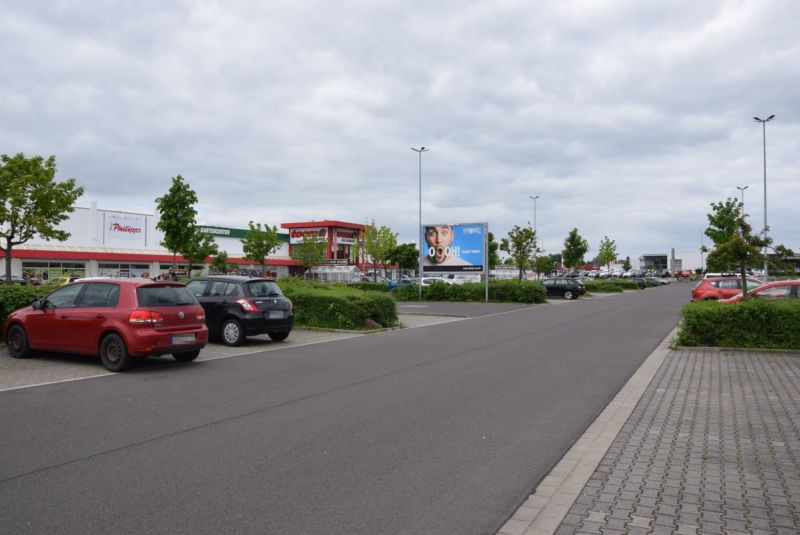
[
  {"x": 419, "y": 228},
  {"x": 702, "y": 263},
  {"x": 764, "y": 130},
  {"x": 742, "y": 188},
  {"x": 534, "y": 210}
]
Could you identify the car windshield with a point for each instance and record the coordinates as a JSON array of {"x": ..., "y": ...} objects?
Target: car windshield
[
  {"x": 164, "y": 296},
  {"x": 263, "y": 289}
]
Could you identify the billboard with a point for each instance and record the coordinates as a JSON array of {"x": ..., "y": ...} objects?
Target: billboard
[{"x": 449, "y": 248}]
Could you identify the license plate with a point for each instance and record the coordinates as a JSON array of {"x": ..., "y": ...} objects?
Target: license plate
[
  {"x": 276, "y": 314},
  {"x": 183, "y": 339}
]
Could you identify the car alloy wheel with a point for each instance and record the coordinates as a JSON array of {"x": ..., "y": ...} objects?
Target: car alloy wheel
[
  {"x": 568, "y": 294},
  {"x": 232, "y": 334}
]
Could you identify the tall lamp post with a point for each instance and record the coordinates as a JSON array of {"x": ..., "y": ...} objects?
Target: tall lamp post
[
  {"x": 764, "y": 130},
  {"x": 419, "y": 228},
  {"x": 742, "y": 188},
  {"x": 702, "y": 263},
  {"x": 534, "y": 210}
]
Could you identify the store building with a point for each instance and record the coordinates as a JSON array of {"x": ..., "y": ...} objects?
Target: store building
[
  {"x": 127, "y": 244},
  {"x": 117, "y": 243}
]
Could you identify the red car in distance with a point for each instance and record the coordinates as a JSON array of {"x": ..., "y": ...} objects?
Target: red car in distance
[
  {"x": 115, "y": 319},
  {"x": 772, "y": 291},
  {"x": 716, "y": 288}
]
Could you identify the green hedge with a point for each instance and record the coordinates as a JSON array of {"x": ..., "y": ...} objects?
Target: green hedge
[
  {"x": 337, "y": 306},
  {"x": 369, "y": 286},
  {"x": 604, "y": 286},
  {"x": 507, "y": 291},
  {"x": 751, "y": 324}
]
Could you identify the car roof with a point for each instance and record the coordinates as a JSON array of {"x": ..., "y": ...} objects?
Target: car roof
[
  {"x": 231, "y": 278},
  {"x": 126, "y": 282}
]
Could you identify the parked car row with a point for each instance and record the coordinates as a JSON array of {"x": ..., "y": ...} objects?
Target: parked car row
[
  {"x": 716, "y": 288},
  {"x": 122, "y": 319}
]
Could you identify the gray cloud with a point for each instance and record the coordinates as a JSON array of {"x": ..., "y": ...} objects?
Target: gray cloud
[{"x": 628, "y": 118}]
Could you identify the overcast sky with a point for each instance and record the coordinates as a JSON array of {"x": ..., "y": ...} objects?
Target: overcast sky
[{"x": 627, "y": 118}]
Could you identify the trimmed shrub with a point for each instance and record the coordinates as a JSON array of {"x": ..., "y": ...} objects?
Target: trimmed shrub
[
  {"x": 369, "y": 286},
  {"x": 337, "y": 306},
  {"x": 602, "y": 286},
  {"x": 751, "y": 324},
  {"x": 508, "y": 291}
]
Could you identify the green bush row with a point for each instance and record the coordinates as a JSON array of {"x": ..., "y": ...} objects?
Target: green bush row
[
  {"x": 751, "y": 324},
  {"x": 342, "y": 310},
  {"x": 338, "y": 306},
  {"x": 369, "y": 286},
  {"x": 604, "y": 286},
  {"x": 508, "y": 291}
]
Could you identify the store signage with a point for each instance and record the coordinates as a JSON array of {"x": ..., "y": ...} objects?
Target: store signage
[
  {"x": 298, "y": 234},
  {"x": 346, "y": 237},
  {"x": 337, "y": 262},
  {"x": 119, "y": 227},
  {"x": 216, "y": 231}
]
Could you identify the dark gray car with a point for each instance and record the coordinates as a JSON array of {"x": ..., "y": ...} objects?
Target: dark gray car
[{"x": 237, "y": 307}]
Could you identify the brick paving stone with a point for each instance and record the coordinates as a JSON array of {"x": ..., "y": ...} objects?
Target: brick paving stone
[{"x": 712, "y": 446}]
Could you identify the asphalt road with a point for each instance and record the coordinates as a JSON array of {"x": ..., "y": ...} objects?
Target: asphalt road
[{"x": 441, "y": 429}]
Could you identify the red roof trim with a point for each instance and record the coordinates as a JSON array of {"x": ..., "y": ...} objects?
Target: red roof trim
[
  {"x": 127, "y": 257},
  {"x": 323, "y": 223}
]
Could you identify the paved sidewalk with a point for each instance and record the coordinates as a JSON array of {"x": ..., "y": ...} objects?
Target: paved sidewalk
[{"x": 713, "y": 446}]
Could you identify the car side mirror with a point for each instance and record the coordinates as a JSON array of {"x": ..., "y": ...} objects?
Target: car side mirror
[{"x": 38, "y": 305}]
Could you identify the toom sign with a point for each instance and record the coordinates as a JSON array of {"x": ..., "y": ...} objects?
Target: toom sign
[
  {"x": 348, "y": 237},
  {"x": 298, "y": 234}
]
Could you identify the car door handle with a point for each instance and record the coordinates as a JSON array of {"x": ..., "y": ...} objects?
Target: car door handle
[
  {"x": 64, "y": 316},
  {"x": 99, "y": 316}
]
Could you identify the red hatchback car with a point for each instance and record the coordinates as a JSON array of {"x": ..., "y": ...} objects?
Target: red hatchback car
[
  {"x": 772, "y": 291},
  {"x": 117, "y": 319},
  {"x": 715, "y": 288}
]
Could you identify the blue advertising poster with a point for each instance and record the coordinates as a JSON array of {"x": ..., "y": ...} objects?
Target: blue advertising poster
[{"x": 453, "y": 247}]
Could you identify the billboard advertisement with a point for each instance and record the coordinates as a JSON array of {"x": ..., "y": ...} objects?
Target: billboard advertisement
[{"x": 448, "y": 248}]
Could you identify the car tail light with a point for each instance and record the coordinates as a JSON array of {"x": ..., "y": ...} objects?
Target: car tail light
[
  {"x": 291, "y": 305},
  {"x": 201, "y": 315},
  {"x": 247, "y": 305},
  {"x": 146, "y": 317}
]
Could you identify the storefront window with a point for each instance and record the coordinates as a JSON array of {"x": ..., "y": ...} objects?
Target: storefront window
[
  {"x": 124, "y": 270},
  {"x": 48, "y": 271}
]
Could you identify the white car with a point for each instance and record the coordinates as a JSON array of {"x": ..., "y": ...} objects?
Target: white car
[{"x": 427, "y": 281}]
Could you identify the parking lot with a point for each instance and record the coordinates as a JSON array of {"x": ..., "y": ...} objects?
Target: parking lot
[{"x": 53, "y": 368}]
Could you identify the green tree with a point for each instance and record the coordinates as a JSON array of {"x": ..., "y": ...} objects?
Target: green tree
[
  {"x": 405, "y": 255},
  {"x": 494, "y": 256},
  {"x": 544, "y": 264},
  {"x": 733, "y": 238},
  {"x": 177, "y": 217},
  {"x": 626, "y": 264},
  {"x": 258, "y": 245},
  {"x": 575, "y": 247},
  {"x": 607, "y": 252},
  {"x": 378, "y": 244},
  {"x": 310, "y": 252},
  {"x": 198, "y": 248},
  {"x": 220, "y": 262},
  {"x": 32, "y": 202},
  {"x": 521, "y": 246}
]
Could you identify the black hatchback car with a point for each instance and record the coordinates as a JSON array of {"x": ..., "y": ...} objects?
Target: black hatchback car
[
  {"x": 564, "y": 287},
  {"x": 238, "y": 306}
]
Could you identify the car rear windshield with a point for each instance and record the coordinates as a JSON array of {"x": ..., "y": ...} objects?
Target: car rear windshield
[
  {"x": 164, "y": 296},
  {"x": 263, "y": 288}
]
